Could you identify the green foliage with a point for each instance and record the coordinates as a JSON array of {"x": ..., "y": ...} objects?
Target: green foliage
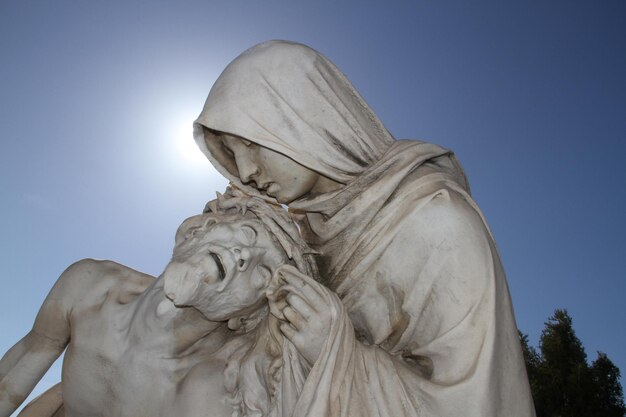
[
  {"x": 609, "y": 395},
  {"x": 562, "y": 382},
  {"x": 533, "y": 360}
]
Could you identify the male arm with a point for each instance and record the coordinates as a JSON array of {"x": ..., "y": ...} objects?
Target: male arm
[
  {"x": 48, "y": 404},
  {"x": 30, "y": 358}
]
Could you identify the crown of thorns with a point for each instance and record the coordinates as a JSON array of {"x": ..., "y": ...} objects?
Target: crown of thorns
[{"x": 275, "y": 219}]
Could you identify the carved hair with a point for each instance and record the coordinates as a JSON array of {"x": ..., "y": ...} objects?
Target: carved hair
[
  {"x": 252, "y": 375},
  {"x": 275, "y": 219}
]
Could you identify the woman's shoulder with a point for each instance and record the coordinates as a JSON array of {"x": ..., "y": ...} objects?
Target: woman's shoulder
[
  {"x": 442, "y": 243},
  {"x": 444, "y": 214}
]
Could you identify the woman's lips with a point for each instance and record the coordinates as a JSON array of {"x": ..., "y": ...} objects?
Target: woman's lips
[{"x": 272, "y": 189}]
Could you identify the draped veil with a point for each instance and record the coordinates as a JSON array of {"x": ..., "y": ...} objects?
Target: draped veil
[{"x": 402, "y": 243}]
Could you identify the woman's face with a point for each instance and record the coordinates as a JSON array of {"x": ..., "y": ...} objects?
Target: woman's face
[{"x": 269, "y": 171}]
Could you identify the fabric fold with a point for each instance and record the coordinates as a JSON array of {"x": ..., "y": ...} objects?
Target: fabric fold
[{"x": 428, "y": 327}]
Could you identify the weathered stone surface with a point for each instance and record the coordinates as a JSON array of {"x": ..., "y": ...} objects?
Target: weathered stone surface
[
  {"x": 415, "y": 317},
  {"x": 387, "y": 298}
]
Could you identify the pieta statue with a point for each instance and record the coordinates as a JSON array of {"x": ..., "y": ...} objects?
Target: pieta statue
[{"x": 343, "y": 273}]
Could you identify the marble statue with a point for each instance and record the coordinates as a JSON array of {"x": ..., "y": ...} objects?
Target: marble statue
[
  {"x": 178, "y": 345},
  {"x": 416, "y": 312},
  {"x": 386, "y": 298}
]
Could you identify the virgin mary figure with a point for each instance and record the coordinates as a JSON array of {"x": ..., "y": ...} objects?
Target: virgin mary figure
[{"x": 413, "y": 303}]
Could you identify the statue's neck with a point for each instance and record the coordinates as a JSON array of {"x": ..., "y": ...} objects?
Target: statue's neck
[{"x": 177, "y": 330}]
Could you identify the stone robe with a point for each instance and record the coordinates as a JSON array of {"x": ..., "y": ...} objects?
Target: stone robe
[{"x": 429, "y": 328}]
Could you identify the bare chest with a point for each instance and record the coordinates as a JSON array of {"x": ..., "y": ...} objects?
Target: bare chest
[{"x": 106, "y": 369}]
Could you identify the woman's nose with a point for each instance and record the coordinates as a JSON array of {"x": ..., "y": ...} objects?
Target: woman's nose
[{"x": 248, "y": 170}]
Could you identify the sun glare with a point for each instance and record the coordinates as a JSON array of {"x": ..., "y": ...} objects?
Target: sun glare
[{"x": 187, "y": 145}]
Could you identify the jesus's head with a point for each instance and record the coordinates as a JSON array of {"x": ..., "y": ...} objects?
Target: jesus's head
[{"x": 224, "y": 260}]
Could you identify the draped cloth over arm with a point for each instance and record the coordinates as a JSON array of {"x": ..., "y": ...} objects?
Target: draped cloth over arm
[{"x": 428, "y": 328}]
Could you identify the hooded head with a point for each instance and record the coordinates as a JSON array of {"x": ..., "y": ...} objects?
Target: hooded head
[{"x": 288, "y": 98}]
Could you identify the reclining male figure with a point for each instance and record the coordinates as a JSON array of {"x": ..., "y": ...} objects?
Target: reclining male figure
[{"x": 139, "y": 346}]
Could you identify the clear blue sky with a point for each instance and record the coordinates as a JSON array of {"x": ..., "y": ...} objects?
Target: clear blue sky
[{"x": 96, "y": 100}]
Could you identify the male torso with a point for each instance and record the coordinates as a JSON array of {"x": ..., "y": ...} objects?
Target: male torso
[{"x": 132, "y": 353}]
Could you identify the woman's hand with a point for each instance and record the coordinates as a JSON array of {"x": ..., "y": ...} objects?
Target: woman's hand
[{"x": 306, "y": 308}]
